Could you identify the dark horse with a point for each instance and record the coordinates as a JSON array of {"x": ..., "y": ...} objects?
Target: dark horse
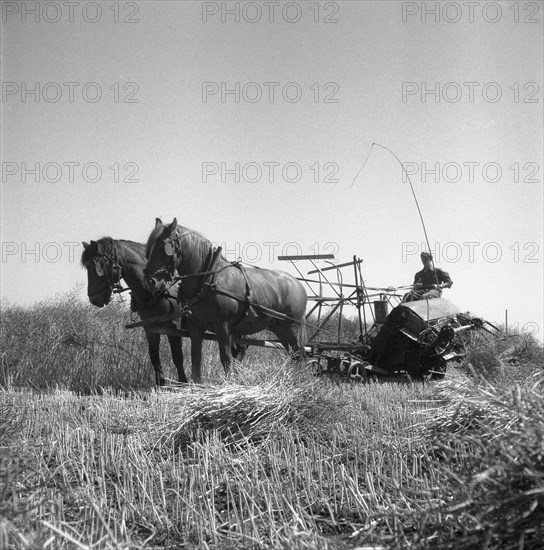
[
  {"x": 223, "y": 296},
  {"x": 107, "y": 262}
]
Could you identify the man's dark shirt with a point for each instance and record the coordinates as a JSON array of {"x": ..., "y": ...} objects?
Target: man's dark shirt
[{"x": 428, "y": 277}]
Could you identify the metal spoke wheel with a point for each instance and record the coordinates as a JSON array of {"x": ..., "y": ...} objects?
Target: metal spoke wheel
[{"x": 357, "y": 371}]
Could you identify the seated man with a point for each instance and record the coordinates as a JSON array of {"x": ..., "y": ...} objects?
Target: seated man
[{"x": 429, "y": 282}]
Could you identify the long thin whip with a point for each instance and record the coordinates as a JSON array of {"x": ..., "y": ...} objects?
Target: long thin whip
[{"x": 411, "y": 189}]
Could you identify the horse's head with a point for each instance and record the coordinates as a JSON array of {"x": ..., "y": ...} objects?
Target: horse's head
[
  {"x": 163, "y": 255},
  {"x": 103, "y": 270}
]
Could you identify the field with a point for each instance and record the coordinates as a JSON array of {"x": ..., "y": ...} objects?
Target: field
[{"x": 92, "y": 456}]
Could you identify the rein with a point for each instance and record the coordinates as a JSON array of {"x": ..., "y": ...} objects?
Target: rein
[{"x": 205, "y": 273}]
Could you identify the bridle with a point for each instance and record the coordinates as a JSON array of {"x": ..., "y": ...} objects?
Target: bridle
[
  {"x": 112, "y": 279},
  {"x": 172, "y": 248}
]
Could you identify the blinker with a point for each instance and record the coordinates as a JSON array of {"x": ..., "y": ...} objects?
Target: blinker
[
  {"x": 99, "y": 268},
  {"x": 168, "y": 247}
]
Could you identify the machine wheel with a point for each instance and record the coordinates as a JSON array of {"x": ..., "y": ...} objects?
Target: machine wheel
[{"x": 357, "y": 372}]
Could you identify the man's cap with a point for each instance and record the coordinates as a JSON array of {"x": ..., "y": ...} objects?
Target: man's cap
[{"x": 426, "y": 255}]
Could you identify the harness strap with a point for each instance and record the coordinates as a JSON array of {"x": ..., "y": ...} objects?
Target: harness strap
[
  {"x": 209, "y": 285},
  {"x": 247, "y": 300},
  {"x": 257, "y": 308},
  {"x": 204, "y": 284}
]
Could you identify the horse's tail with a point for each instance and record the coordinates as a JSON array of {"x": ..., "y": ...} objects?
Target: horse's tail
[{"x": 301, "y": 335}]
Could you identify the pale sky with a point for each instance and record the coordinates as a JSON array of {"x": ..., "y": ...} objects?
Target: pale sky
[{"x": 140, "y": 100}]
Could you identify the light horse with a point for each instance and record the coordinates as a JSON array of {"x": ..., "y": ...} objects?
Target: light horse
[
  {"x": 107, "y": 262},
  {"x": 221, "y": 296}
]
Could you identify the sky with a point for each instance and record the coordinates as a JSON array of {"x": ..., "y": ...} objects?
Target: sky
[{"x": 250, "y": 122}]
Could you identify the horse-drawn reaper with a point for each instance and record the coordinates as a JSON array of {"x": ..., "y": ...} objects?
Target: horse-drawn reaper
[
  {"x": 417, "y": 338},
  {"x": 184, "y": 287}
]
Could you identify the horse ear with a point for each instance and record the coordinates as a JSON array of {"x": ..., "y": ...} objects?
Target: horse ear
[
  {"x": 158, "y": 222},
  {"x": 85, "y": 245},
  {"x": 174, "y": 224},
  {"x": 94, "y": 245}
]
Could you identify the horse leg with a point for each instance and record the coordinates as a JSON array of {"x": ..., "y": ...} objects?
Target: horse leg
[
  {"x": 196, "y": 352},
  {"x": 154, "y": 341},
  {"x": 224, "y": 341},
  {"x": 177, "y": 357},
  {"x": 288, "y": 335},
  {"x": 238, "y": 352}
]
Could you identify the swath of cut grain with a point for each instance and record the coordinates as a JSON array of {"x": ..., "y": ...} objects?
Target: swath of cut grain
[{"x": 235, "y": 412}]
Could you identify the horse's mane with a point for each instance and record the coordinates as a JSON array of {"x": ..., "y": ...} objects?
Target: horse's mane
[
  {"x": 136, "y": 248},
  {"x": 107, "y": 245},
  {"x": 197, "y": 247},
  {"x": 152, "y": 239}
]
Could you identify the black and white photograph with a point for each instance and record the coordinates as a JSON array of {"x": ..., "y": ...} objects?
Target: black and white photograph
[{"x": 271, "y": 274}]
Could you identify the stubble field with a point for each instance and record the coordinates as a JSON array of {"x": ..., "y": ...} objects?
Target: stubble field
[{"x": 93, "y": 457}]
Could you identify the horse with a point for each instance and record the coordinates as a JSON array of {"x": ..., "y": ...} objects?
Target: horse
[
  {"x": 107, "y": 262},
  {"x": 224, "y": 297}
]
